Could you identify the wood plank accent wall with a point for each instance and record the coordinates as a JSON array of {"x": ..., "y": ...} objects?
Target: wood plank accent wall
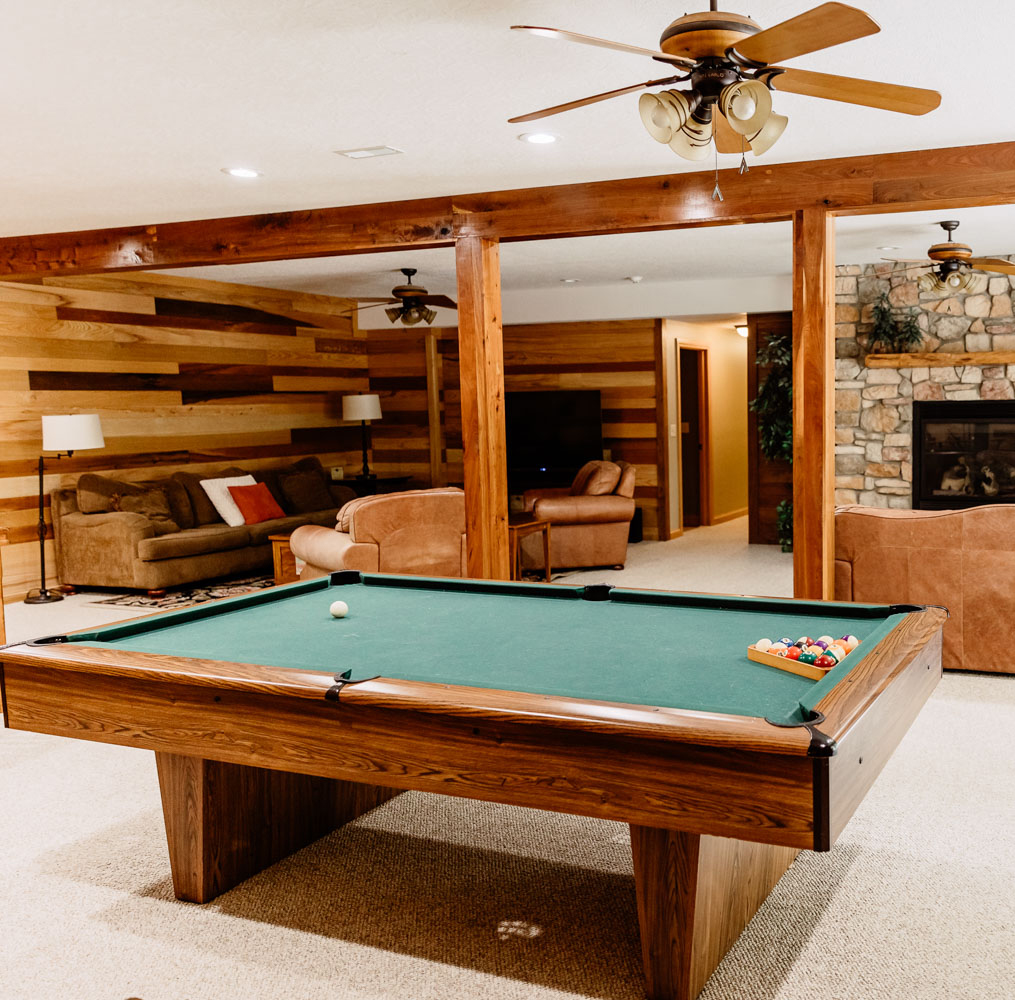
[
  {"x": 616, "y": 357},
  {"x": 183, "y": 373}
]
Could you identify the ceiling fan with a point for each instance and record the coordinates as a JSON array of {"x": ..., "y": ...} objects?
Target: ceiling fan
[
  {"x": 728, "y": 59},
  {"x": 952, "y": 263},
  {"x": 409, "y": 303}
]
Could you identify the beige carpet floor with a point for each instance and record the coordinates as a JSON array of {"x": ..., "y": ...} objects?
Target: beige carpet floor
[{"x": 431, "y": 897}]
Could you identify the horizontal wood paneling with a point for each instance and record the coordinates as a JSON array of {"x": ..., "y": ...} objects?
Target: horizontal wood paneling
[
  {"x": 183, "y": 373},
  {"x": 617, "y": 358}
]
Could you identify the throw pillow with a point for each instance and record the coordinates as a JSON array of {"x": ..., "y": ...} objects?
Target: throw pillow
[
  {"x": 154, "y": 505},
  {"x": 305, "y": 492},
  {"x": 99, "y": 494},
  {"x": 256, "y": 503},
  {"x": 218, "y": 494},
  {"x": 180, "y": 509},
  {"x": 204, "y": 509}
]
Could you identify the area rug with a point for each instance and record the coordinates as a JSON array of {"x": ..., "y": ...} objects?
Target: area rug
[{"x": 183, "y": 597}]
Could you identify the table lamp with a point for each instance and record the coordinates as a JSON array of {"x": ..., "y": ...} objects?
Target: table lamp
[
  {"x": 362, "y": 408},
  {"x": 64, "y": 434}
]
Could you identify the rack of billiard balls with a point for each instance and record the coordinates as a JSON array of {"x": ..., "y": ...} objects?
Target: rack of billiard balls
[{"x": 807, "y": 657}]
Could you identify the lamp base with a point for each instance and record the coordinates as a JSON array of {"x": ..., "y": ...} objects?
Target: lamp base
[{"x": 44, "y": 597}]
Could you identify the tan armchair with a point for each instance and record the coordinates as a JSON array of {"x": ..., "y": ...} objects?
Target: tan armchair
[
  {"x": 418, "y": 532},
  {"x": 591, "y": 518}
]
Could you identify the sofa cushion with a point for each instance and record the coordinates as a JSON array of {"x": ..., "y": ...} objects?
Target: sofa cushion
[
  {"x": 260, "y": 533},
  {"x": 100, "y": 494},
  {"x": 255, "y": 503},
  {"x": 153, "y": 504},
  {"x": 218, "y": 493},
  {"x": 204, "y": 509},
  {"x": 193, "y": 542},
  {"x": 596, "y": 479},
  {"x": 305, "y": 492},
  {"x": 180, "y": 509}
]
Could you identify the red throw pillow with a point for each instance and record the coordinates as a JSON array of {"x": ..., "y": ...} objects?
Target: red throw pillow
[{"x": 256, "y": 503}]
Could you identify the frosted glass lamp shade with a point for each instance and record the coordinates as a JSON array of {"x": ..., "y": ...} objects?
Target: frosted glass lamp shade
[
  {"x": 361, "y": 407},
  {"x": 72, "y": 432}
]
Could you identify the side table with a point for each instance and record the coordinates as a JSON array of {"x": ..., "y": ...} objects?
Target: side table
[
  {"x": 282, "y": 559},
  {"x": 520, "y": 525}
]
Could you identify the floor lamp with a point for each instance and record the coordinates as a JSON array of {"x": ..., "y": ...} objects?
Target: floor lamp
[
  {"x": 65, "y": 435},
  {"x": 362, "y": 408}
]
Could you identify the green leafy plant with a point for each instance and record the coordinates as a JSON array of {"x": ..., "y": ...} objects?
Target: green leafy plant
[
  {"x": 774, "y": 402},
  {"x": 891, "y": 333},
  {"x": 784, "y": 513}
]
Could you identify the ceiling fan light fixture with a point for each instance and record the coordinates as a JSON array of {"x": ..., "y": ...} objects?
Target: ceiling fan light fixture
[
  {"x": 747, "y": 106},
  {"x": 665, "y": 113},
  {"x": 393, "y": 313},
  {"x": 769, "y": 135},
  {"x": 429, "y": 315},
  {"x": 693, "y": 141}
]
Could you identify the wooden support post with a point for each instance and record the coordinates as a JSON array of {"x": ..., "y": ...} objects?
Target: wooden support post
[
  {"x": 481, "y": 357},
  {"x": 433, "y": 409},
  {"x": 813, "y": 403}
]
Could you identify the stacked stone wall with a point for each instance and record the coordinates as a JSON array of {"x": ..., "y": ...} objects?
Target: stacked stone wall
[{"x": 874, "y": 406}]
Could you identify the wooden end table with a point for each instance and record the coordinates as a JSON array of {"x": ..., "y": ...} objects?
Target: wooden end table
[
  {"x": 520, "y": 525},
  {"x": 282, "y": 559}
]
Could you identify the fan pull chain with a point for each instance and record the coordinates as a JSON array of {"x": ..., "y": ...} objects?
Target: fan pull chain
[
  {"x": 744, "y": 168},
  {"x": 717, "y": 193}
]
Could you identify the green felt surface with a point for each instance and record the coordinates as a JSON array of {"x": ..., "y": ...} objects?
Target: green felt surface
[{"x": 518, "y": 637}]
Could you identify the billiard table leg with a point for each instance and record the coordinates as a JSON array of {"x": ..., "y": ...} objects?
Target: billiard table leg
[
  {"x": 696, "y": 893},
  {"x": 226, "y": 822}
]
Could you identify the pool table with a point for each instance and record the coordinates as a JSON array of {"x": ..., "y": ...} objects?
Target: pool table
[{"x": 273, "y": 722}]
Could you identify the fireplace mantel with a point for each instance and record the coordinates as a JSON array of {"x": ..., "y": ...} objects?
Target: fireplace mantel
[{"x": 941, "y": 359}]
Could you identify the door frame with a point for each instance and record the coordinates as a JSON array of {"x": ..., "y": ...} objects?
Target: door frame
[{"x": 705, "y": 499}]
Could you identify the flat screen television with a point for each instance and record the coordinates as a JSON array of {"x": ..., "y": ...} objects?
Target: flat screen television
[{"x": 551, "y": 435}]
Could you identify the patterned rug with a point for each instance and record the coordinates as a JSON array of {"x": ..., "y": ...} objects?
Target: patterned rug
[{"x": 183, "y": 597}]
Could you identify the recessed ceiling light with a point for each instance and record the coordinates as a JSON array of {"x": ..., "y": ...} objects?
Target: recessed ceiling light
[
  {"x": 889, "y": 248},
  {"x": 742, "y": 331},
  {"x": 245, "y": 172},
  {"x": 368, "y": 151},
  {"x": 634, "y": 279},
  {"x": 570, "y": 281},
  {"x": 538, "y": 138}
]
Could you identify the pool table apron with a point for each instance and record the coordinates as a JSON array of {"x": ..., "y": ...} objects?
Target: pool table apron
[{"x": 249, "y": 773}]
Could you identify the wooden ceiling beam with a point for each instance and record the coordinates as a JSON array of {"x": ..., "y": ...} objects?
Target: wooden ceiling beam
[{"x": 894, "y": 182}]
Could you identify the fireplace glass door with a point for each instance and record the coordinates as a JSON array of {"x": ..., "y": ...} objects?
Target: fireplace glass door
[{"x": 964, "y": 454}]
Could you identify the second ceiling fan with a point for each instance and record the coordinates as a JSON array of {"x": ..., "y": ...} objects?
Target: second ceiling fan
[
  {"x": 729, "y": 61},
  {"x": 409, "y": 304}
]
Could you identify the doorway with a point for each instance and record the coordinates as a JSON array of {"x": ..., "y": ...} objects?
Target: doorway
[{"x": 695, "y": 452}]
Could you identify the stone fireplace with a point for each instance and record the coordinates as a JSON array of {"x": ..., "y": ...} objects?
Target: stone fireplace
[{"x": 874, "y": 418}]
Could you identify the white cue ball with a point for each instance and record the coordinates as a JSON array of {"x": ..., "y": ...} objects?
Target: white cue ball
[{"x": 339, "y": 609}]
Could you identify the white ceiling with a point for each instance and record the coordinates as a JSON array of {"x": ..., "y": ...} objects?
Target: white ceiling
[{"x": 118, "y": 114}]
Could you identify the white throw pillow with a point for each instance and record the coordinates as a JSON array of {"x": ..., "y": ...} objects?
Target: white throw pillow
[{"x": 218, "y": 494}]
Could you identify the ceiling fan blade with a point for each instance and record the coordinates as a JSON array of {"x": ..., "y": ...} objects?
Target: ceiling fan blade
[
  {"x": 558, "y": 108},
  {"x": 372, "y": 298},
  {"x": 992, "y": 264},
  {"x": 909, "y": 260},
  {"x": 820, "y": 28},
  {"x": 603, "y": 43},
  {"x": 439, "y": 300},
  {"x": 373, "y": 305},
  {"x": 869, "y": 93},
  {"x": 726, "y": 140}
]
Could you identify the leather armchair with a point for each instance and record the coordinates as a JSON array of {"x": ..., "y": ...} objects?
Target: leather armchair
[
  {"x": 963, "y": 559},
  {"x": 418, "y": 532},
  {"x": 591, "y": 519}
]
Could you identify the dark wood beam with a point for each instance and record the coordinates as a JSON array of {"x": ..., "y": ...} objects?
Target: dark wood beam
[
  {"x": 895, "y": 182},
  {"x": 813, "y": 403},
  {"x": 481, "y": 358}
]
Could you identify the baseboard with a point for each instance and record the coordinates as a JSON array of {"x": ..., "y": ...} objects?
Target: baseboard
[
  {"x": 732, "y": 515},
  {"x": 676, "y": 534}
]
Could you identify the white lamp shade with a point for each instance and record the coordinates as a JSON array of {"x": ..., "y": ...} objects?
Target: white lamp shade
[
  {"x": 361, "y": 407},
  {"x": 72, "y": 432}
]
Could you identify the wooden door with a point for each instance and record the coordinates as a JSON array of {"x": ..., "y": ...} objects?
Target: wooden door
[{"x": 692, "y": 407}]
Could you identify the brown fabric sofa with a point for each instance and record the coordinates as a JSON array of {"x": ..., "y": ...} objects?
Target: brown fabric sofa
[
  {"x": 591, "y": 518},
  {"x": 164, "y": 533},
  {"x": 418, "y": 532},
  {"x": 962, "y": 559}
]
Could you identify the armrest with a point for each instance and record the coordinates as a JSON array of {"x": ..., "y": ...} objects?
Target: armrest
[
  {"x": 332, "y": 550},
  {"x": 531, "y": 496},
  {"x": 100, "y": 549},
  {"x": 843, "y": 580},
  {"x": 129, "y": 525},
  {"x": 584, "y": 509}
]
